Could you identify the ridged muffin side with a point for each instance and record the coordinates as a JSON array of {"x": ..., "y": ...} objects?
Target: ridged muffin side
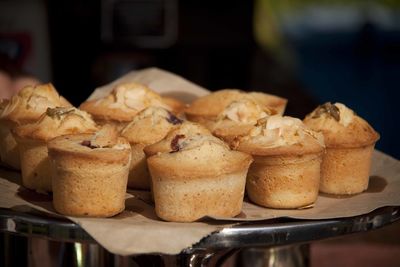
[
  {"x": 350, "y": 142},
  {"x": 198, "y": 176},
  {"x": 90, "y": 173}
]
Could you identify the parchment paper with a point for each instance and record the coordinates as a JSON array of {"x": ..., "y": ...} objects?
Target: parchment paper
[
  {"x": 161, "y": 81},
  {"x": 138, "y": 230}
]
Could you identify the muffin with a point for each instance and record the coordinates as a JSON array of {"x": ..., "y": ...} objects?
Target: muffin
[
  {"x": 122, "y": 104},
  {"x": 206, "y": 109},
  {"x": 25, "y": 107},
  {"x": 90, "y": 173},
  {"x": 32, "y": 141},
  {"x": 148, "y": 127},
  {"x": 198, "y": 176},
  {"x": 287, "y": 158},
  {"x": 350, "y": 141},
  {"x": 237, "y": 119}
]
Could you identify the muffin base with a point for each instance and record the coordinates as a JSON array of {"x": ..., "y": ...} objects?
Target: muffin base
[
  {"x": 187, "y": 201},
  {"x": 9, "y": 153},
  {"x": 83, "y": 187},
  {"x": 284, "y": 182},
  {"x": 139, "y": 177},
  {"x": 35, "y": 165},
  {"x": 345, "y": 171}
]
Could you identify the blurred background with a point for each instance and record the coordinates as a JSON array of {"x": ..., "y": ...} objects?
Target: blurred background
[{"x": 307, "y": 51}]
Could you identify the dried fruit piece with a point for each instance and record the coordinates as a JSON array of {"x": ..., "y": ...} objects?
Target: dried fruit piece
[
  {"x": 88, "y": 144},
  {"x": 173, "y": 119},
  {"x": 175, "y": 142},
  {"x": 58, "y": 112}
]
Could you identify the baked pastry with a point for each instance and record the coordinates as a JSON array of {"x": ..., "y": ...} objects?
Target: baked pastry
[
  {"x": 350, "y": 141},
  {"x": 90, "y": 173},
  {"x": 32, "y": 141},
  {"x": 122, "y": 104},
  {"x": 206, "y": 109},
  {"x": 25, "y": 107},
  {"x": 198, "y": 176},
  {"x": 238, "y": 119},
  {"x": 147, "y": 127},
  {"x": 287, "y": 158}
]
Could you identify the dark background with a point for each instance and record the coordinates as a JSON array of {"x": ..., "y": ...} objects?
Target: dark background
[{"x": 322, "y": 54}]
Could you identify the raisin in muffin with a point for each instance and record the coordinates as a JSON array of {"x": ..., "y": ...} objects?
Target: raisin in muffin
[
  {"x": 287, "y": 158},
  {"x": 350, "y": 141},
  {"x": 186, "y": 128}
]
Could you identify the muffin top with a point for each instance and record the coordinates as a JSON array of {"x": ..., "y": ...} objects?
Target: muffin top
[
  {"x": 213, "y": 104},
  {"x": 238, "y": 118},
  {"x": 175, "y": 105},
  {"x": 105, "y": 145},
  {"x": 123, "y": 103},
  {"x": 150, "y": 126},
  {"x": 280, "y": 135},
  {"x": 340, "y": 126},
  {"x": 190, "y": 157},
  {"x": 55, "y": 122},
  {"x": 186, "y": 128},
  {"x": 31, "y": 102}
]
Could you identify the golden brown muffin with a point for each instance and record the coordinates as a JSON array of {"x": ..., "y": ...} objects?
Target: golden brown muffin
[
  {"x": 32, "y": 141},
  {"x": 350, "y": 141},
  {"x": 25, "y": 107},
  {"x": 206, "y": 109},
  {"x": 122, "y": 104},
  {"x": 90, "y": 173},
  {"x": 287, "y": 157},
  {"x": 198, "y": 176},
  {"x": 238, "y": 119},
  {"x": 148, "y": 127}
]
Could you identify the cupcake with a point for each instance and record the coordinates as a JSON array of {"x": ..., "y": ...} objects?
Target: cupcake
[
  {"x": 350, "y": 141},
  {"x": 90, "y": 173},
  {"x": 122, "y": 104},
  {"x": 287, "y": 158},
  {"x": 238, "y": 119},
  {"x": 25, "y": 107},
  {"x": 197, "y": 176},
  {"x": 206, "y": 109},
  {"x": 148, "y": 127},
  {"x": 32, "y": 141}
]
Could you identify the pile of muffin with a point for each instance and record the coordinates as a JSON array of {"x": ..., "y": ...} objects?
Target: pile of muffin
[{"x": 198, "y": 160}]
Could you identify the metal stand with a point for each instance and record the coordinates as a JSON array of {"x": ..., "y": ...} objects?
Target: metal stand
[
  {"x": 29, "y": 238},
  {"x": 285, "y": 256}
]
